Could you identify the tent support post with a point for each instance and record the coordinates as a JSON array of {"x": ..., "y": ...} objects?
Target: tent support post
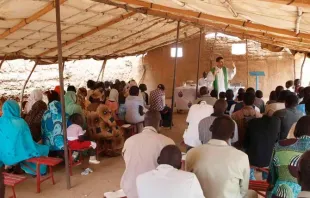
[
  {"x": 62, "y": 99},
  {"x": 25, "y": 84},
  {"x": 174, "y": 71},
  {"x": 2, "y": 61},
  {"x": 247, "y": 63},
  {"x": 198, "y": 64},
  {"x": 102, "y": 69},
  {"x": 302, "y": 67}
]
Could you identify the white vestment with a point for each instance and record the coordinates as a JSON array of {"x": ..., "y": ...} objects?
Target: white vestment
[{"x": 220, "y": 76}]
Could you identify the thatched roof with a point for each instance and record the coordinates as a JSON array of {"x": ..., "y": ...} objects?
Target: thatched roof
[{"x": 103, "y": 29}]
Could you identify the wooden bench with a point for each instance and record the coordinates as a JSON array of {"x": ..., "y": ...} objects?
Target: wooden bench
[
  {"x": 12, "y": 180},
  {"x": 260, "y": 187},
  {"x": 48, "y": 161}
]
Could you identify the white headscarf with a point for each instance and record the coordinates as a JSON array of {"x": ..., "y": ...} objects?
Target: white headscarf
[
  {"x": 113, "y": 95},
  {"x": 35, "y": 96}
]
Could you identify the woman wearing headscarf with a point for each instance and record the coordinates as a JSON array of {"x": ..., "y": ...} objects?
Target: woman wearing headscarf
[
  {"x": 112, "y": 101},
  {"x": 81, "y": 97},
  {"x": 35, "y": 96},
  {"x": 33, "y": 119},
  {"x": 16, "y": 141},
  {"x": 71, "y": 106},
  {"x": 51, "y": 124}
]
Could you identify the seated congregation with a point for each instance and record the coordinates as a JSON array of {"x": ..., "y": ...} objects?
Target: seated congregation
[{"x": 227, "y": 138}]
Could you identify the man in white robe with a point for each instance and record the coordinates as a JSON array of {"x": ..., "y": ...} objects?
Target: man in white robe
[{"x": 220, "y": 75}]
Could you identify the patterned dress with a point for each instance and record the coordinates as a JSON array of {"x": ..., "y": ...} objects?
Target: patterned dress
[{"x": 283, "y": 168}]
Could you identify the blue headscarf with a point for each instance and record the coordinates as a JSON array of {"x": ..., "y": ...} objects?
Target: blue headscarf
[
  {"x": 16, "y": 142},
  {"x": 52, "y": 130}
]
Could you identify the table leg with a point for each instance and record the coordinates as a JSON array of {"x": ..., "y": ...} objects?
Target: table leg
[{"x": 38, "y": 178}]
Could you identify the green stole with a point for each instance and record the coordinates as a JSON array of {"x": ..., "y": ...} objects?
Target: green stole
[{"x": 215, "y": 83}]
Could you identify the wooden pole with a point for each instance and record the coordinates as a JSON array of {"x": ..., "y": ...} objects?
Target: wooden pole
[
  {"x": 2, "y": 61},
  {"x": 102, "y": 69},
  {"x": 302, "y": 67},
  {"x": 25, "y": 84},
  {"x": 247, "y": 63},
  {"x": 198, "y": 62},
  {"x": 212, "y": 51},
  {"x": 62, "y": 98},
  {"x": 174, "y": 71}
]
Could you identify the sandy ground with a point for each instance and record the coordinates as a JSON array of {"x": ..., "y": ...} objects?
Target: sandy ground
[{"x": 106, "y": 177}]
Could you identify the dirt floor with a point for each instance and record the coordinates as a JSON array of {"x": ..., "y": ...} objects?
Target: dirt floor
[{"x": 106, "y": 177}]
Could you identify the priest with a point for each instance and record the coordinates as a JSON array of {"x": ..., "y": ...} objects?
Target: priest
[{"x": 220, "y": 75}]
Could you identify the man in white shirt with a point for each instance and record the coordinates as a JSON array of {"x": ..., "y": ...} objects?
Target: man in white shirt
[
  {"x": 203, "y": 81},
  {"x": 196, "y": 113},
  {"x": 220, "y": 75},
  {"x": 167, "y": 180},
  {"x": 304, "y": 175},
  {"x": 222, "y": 170},
  {"x": 141, "y": 152}
]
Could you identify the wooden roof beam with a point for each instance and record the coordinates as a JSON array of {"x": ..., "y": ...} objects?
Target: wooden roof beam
[
  {"x": 149, "y": 40},
  {"x": 91, "y": 32},
  {"x": 298, "y": 3},
  {"x": 199, "y": 15},
  {"x": 50, "y": 6}
]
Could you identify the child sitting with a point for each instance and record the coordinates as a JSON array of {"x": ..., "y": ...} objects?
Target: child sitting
[{"x": 76, "y": 141}]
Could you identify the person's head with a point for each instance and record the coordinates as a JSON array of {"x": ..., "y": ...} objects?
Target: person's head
[
  {"x": 204, "y": 74},
  {"x": 170, "y": 155},
  {"x": 302, "y": 127},
  {"x": 250, "y": 90},
  {"x": 52, "y": 96},
  {"x": 142, "y": 87},
  {"x": 220, "y": 107},
  {"x": 219, "y": 62},
  {"x": 259, "y": 94},
  {"x": 152, "y": 119},
  {"x": 134, "y": 91},
  {"x": 303, "y": 175},
  {"x": 77, "y": 118},
  {"x": 289, "y": 84},
  {"x": 249, "y": 98},
  {"x": 57, "y": 89},
  {"x": 222, "y": 95},
  {"x": 91, "y": 84},
  {"x": 297, "y": 82},
  {"x": 223, "y": 128},
  {"x": 273, "y": 96},
  {"x": 11, "y": 108},
  {"x": 214, "y": 93},
  {"x": 203, "y": 91},
  {"x": 117, "y": 81},
  {"x": 82, "y": 91},
  {"x": 307, "y": 93},
  {"x": 282, "y": 96},
  {"x": 291, "y": 101},
  {"x": 278, "y": 90},
  {"x": 307, "y": 107},
  {"x": 161, "y": 87},
  {"x": 99, "y": 85},
  {"x": 241, "y": 93},
  {"x": 107, "y": 85},
  {"x": 229, "y": 94},
  {"x": 71, "y": 88}
]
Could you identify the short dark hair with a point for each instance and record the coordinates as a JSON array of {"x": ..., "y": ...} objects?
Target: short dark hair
[
  {"x": 222, "y": 95},
  {"x": 289, "y": 84},
  {"x": 134, "y": 91},
  {"x": 71, "y": 88},
  {"x": 99, "y": 85},
  {"x": 297, "y": 81},
  {"x": 91, "y": 84},
  {"x": 229, "y": 94},
  {"x": 222, "y": 128},
  {"x": 259, "y": 94},
  {"x": 278, "y": 90},
  {"x": 107, "y": 84},
  {"x": 282, "y": 96},
  {"x": 291, "y": 101},
  {"x": 241, "y": 93},
  {"x": 52, "y": 96},
  {"x": 251, "y": 89},
  {"x": 161, "y": 86},
  {"x": 249, "y": 98},
  {"x": 171, "y": 155},
  {"x": 307, "y": 107},
  {"x": 302, "y": 127},
  {"x": 304, "y": 170},
  {"x": 214, "y": 93},
  {"x": 203, "y": 91},
  {"x": 273, "y": 96},
  {"x": 142, "y": 87},
  {"x": 76, "y": 118},
  {"x": 218, "y": 59}
]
